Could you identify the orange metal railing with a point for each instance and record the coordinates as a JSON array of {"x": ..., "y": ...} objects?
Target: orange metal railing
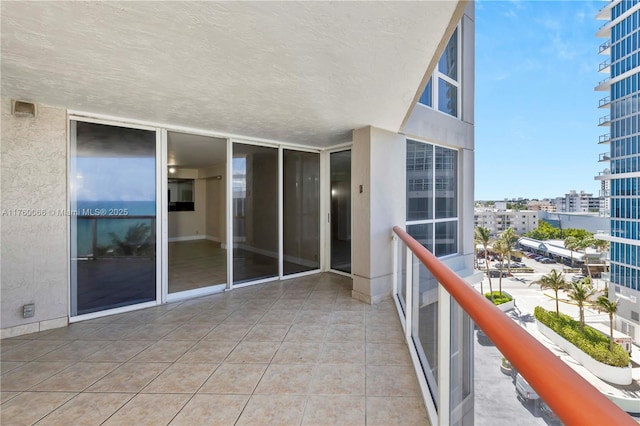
[{"x": 573, "y": 399}]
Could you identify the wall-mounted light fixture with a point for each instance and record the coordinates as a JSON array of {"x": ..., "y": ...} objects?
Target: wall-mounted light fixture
[{"x": 172, "y": 170}]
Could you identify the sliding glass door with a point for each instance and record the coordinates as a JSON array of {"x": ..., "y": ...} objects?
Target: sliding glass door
[
  {"x": 113, "y": 217},
  {"x": 340, "y": 170},
  {"x": 301, "y": 211},
  {"x": 255, "y": 213}
]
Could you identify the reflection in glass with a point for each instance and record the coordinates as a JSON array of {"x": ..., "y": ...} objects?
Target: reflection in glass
[
  {"x": 460, "y": 385},
  {"x": 419, "y": 180},
  {"x": 446, "y": 194},
  {"x": 447, "y": 97},
  {"x": 446, "y": 238},
  {"x": 113, "y": 221},
  {"x": 341, "y": 211},
  {"x": 448, "y": 64},
  {"x": 255, "y": 212},
  {"x": 301, "y": 211},
  {"x": 424, "y": 330},
  {"x": 426, "y": 97},
  {"x": 423, "y": 233}
]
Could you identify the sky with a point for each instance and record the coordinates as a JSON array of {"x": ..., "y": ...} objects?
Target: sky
[{"x": 536, "y": 110}]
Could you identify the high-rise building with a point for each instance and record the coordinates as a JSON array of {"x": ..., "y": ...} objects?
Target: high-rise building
[{"x": 622, "y": 100}]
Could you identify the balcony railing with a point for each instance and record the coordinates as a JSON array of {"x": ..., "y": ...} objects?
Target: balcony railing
[
  {"x": 572, "y": 398},
  {"x": 604, "y": 65},
  {"x": 605, "y": 156},
  {"x": 606, "y": 138},
  {"x": 605, "y": 121},
  {"x": 604, "y": 46},
  {"x": 604, "y": 102}
]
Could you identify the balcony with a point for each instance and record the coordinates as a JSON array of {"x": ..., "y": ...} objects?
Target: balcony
[
  {"x": 604, "y": 102},
  {"x": 605, "y": 121},
  {"x": 604, "y": 175},
  {"x": 605, "y": 12},
  {"x": 605, "y": 48},
  {"x": 289, "y": 352},
  {"x": 605, "y": 156},
  {"x": 605, "y": 193},
  {"x": 603, "y": 139},
  {"x": 603, "y": 85},
  {"x": 604, "y": 31},
  {"x": 604, "y": 66}
]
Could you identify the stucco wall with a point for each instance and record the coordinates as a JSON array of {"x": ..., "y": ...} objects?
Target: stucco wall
[
  {"x": 33, "y": 248},
  {"x": 378, "y": 164}
]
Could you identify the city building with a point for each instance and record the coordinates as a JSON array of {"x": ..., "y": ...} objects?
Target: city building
[
  {"x": 498, "y": 220},
  {"x": 621, "y": 115},
  {"x": 159, "y": 151},
  {"x": 577, "y": 202},
  {"x": 544, "y": 205}
]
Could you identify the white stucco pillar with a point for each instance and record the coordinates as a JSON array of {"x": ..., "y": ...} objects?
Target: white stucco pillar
[{"x": 378, "y": 203}]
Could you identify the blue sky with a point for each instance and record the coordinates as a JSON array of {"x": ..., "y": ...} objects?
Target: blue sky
[{"x": 536, "y": 113}]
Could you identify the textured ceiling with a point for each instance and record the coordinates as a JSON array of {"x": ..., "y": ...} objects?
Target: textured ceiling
[{"x": 305, "y": 73}]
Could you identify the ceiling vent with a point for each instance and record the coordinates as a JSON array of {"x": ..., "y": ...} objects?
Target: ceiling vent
[{"x": 23, "y": 109}]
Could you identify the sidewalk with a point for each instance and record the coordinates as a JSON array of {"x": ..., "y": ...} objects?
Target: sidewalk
[{"x": 528, "y": 296}]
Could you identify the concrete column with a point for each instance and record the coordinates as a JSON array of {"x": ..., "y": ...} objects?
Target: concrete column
[{"x": 378, "y": 189}]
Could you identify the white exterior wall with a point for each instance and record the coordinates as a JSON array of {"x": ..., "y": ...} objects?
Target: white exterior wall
[
  {"x": 378, "y": 166},
  {"x": 33, "y": 248}
]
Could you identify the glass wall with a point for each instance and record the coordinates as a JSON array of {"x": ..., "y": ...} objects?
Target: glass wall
[
  {"x": 113, "y": 217},
  {"x": 301, "y": 211},
  {"x": 432, "y": 196},
  {"x": 340, "y": 166},
  {"x": 255, "y": 212}
]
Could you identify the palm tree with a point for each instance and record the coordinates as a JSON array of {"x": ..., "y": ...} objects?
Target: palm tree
[
  {"x": 555, "y": 281},
  {"x": 501, "y": 247},
  {"x": 571, "y": 243},
  {"x": 601, "y": 245},
  {"x": 580, "y": 292},
  {"x": 583, "y": 243},
  {"x": 610, "y": 307},
  {"x": 509, "y": 239},
  {"x": 482, "y": 236}
]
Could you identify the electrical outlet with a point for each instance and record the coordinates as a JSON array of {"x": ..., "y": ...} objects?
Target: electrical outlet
[{"x": 28, "y": 310}]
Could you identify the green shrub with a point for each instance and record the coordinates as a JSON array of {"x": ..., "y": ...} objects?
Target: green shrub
[
  {"x": 497, "y": 299},
  {"x": 591, "y": 342}
]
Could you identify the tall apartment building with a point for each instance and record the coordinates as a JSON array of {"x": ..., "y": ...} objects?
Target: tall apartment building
[
  {"x": 290, "y": 139},
  {"x": 497, "y": 220},
  {"x": 577, "y": 202},
  {"x": 622, "y": 86}
]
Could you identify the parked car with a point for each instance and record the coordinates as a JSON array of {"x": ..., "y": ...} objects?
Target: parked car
[
  {"x": 547, "y": 260},
  {"x": 577, "y": 278},
  {"x": 496, "y": 274},
  {"x": 527, "y": 394}
]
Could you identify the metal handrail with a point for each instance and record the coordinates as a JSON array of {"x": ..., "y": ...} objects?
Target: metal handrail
[
  {"x": 573, "y": 399},
  {"x": 604, "y": 101},
  {"x": 604, "y": 46}
]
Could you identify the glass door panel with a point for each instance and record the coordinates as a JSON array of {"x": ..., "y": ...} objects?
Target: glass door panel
[
  {"x": 340, "y": 165},
  {"x": 301, "y": 211},
  {"x": 255, "y": 212},
  {"x": 196, "y": 222},
  {"x": 113, "y": 217}
]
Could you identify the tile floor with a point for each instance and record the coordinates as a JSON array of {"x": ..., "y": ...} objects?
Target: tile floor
[{"x": 295, "y": 352}]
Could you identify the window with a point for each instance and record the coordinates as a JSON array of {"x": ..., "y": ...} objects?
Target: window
[
  {"x": 432, "y": 210},
  {"x": 443, "y": 88},
  {"x": 181, "y": 195}
]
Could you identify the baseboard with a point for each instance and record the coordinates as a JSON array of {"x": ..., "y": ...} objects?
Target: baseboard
[
  {"x": 186, "y": 238},
  {"x": 34, "y": 327}
]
